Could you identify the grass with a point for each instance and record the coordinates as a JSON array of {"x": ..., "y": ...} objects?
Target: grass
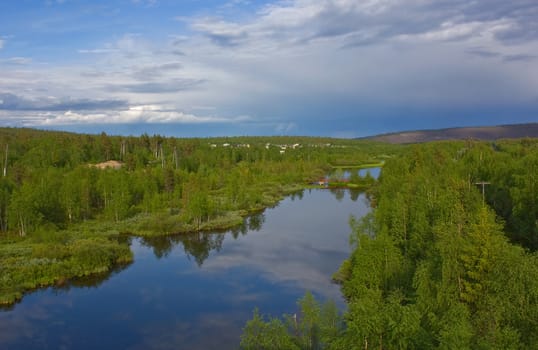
[{"x": 31, "y": 264}]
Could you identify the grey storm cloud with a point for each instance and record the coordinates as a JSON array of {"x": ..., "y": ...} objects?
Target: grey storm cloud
[
  {"x": 484, "y": 53},
  {"x": 523, "y": 13},
  {"x": 156, "y": 71},
  {"x": 227, "y": 40},
  {"x": 296, "y": 62},
  {"x": 520, "y": 57},
  {"x": 481, "y": 52},
  {"x": 222, "y": 33},
  {"x": 366, "y": 22},
  {"x": 416, "y": 17},
  {"x": 177, "y": 85},
  {"x": 12, "y": 102}
]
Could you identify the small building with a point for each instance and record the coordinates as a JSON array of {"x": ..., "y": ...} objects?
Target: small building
[{"x": 322, "y": 182}]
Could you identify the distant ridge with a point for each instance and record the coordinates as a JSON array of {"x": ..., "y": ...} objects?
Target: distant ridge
[{"x": 487, "y": 133}]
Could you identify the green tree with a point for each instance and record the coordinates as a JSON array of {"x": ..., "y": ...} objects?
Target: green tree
[{"x": 260, "y": 334}]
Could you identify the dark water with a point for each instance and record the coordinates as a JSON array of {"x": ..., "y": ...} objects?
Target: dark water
[{"x": 196, "y": 291}]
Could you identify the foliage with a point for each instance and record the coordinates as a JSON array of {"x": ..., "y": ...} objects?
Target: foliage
[
  {"x": 435, "y": 272},
  {"x": 439, "y": 264},
  {"x": 52, "y": 259},
  {"x": 55, "y": 192},
  {"x": 315, "y": 327}
]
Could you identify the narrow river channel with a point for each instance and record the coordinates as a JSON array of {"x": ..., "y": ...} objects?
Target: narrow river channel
[{"x": 196, "y": 291}]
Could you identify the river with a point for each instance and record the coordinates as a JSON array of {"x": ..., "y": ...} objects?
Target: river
[{"x": 196, "y": 291}]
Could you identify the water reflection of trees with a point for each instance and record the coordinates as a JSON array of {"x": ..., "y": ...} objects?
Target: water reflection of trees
[
  {"x": 196, "y": 245},
  {"x": 239, "y": 230},
  {"x": 297, "y": 195},
  {"x": 338, "y": 193},
  {"x": 256, "y": 221},
  {"x": 354, "y": 194},
  {"x": 199, "y": 245}
]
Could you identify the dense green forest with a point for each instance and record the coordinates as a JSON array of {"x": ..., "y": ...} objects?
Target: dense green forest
[
  {"x": 66, "y": 199},
  {"x": 438, "y": 264}
]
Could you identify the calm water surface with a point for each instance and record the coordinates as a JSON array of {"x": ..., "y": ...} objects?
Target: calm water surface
[{"x": 196, "y": 291}]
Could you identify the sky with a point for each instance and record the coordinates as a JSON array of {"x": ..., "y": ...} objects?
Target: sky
[{"x": 198, "y": 68}]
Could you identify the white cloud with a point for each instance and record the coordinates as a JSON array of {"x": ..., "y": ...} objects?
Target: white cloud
[
  {"x": 54, "y": 2},
  {"x": 152, "y": 114},
  {"x": 147, "y": 3},
  {"x": 128, "y": 45},
  {"x": 1, "y": 43},
  {"x": 17, "y": 60},
  {"x": 96, "y": 51},
  {"x": 451, "y": 31},
  {"x": 296, "y": 60}
]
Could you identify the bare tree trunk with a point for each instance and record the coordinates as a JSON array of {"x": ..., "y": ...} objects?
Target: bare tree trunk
[
  {"x": 122, "y": 150},
  {"x": 5, "y": 162},
  {"x": 22, "y": 231},
  {"x": 162, "y": 157},
  {"x": 176, "y": 159},
  {"x": 381, "y": 342},
  {"x": 106, "y": 201}
]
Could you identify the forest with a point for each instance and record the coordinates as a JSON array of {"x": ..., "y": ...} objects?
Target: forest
[
  {"x": 446, "y": 260},
  {"x": 67, "y": 200}
]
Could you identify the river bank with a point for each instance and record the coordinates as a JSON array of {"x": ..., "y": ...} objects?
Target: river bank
[
  {"x": 95, "y": 246},
  {"x": 179, "y": 288}
]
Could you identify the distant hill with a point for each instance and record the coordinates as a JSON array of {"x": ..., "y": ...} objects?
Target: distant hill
[{"x": 478, "y": 133}]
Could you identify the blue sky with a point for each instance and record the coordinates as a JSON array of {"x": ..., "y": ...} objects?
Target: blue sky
[{"x": 341, "y": 68}]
